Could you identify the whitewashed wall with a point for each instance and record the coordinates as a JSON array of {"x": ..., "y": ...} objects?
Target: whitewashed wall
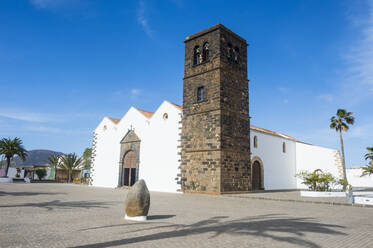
[
  {"x": 279, "y": 167},
  {"x": 158, "y": 153},
  {"x": 310, "y": 158},
  {"x": 13, "y": 171},
  {"x": 106, "y": 165},
  {"x": 354, "y": 178},
  {"x": 158, "y": 148}
]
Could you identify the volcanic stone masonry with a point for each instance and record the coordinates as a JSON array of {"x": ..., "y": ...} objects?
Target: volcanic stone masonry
[{"x": 215, "y": 136}]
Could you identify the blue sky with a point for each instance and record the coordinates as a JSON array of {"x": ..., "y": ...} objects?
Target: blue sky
[{"x": 65, "y": 64}]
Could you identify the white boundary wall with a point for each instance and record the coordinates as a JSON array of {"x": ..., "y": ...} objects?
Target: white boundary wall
[
  {"x": 310, "y": 158},
  {"x": 355, "y": 179}
]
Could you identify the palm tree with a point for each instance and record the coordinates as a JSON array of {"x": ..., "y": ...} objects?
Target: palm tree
[
  {"x": 340, "y": 123},
  {"x": 369, "y": 155},
  {"x": 70, "y": 162},
  {"x": 368, "y": 170},
  {"x": 11, "y": 147},
  {"x": 87, "y": 154},
  {"x": 54, "y": 161}
]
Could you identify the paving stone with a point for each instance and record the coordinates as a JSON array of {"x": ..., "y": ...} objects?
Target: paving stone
[{"x": 61, "y": 215}]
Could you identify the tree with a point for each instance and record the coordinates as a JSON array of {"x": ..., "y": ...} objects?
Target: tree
[
  {"x": 70, "y": 162},
  {"x": 11, "y": 147},
  {"x": 41, "y": 172},
  {"x": 369, "y": 155},
  {"x": 318, "y": 180},
  {"x": 340, "y": 123},
  {"x": 87, "y": 155},
  {"x": 54, "y": 161},
  {"x": 368, "y": 170}
]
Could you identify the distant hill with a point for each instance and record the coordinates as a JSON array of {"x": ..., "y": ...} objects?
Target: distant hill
[{"x": 35, "y": 157}]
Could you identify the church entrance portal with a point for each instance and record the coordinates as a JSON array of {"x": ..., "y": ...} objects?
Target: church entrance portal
[
  {"x": 257, "y": 176},
  {"x": 129, "y": 169},
  {"x": 129, "y": 159}
]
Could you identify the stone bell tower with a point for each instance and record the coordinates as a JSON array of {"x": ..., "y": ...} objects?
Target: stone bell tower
[{"x": 215, "y": 137}]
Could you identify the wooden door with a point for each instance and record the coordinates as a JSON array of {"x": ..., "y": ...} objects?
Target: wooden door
[
  {"x": 256, "y": 176},
  {"x": 129, "y": 169}
]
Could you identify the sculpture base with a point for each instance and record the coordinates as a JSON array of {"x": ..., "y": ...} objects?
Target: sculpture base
[{"x": 136, "y": 218}]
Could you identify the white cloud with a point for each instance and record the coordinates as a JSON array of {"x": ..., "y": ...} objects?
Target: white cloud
[
  {"x": 326, "y": 97},
  {"x": 50, "y": 4},
  {"x": 359, "y": 79},
  {"x": 28, "y": 116},
  {"x": 53, "y": 130},
  {"x": 363, "y": 131},
  {"x": 43, "y": 129},
  {"x": 283, "y": 89},
  {"x": 142, "y": 20},
  {"x": 135, "y": 92}
]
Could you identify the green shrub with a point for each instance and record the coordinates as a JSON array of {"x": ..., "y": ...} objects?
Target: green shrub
[
  {"x": 18, "y": 173},
  {"x": 343, "y": 182},
  {"x": 41, "y": 173},
  {"x": 319, "y": 181}
]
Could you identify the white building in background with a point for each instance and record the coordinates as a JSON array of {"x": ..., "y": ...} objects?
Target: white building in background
[{"x": 144, "y": 145}]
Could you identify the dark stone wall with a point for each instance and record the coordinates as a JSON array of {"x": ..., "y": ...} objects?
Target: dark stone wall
[{"x": 215, "y": 137}]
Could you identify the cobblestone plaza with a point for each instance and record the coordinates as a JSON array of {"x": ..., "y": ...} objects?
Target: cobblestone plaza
[{"x": 60, "y": 215}]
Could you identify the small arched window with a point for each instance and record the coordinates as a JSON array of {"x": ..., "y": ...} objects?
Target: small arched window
[
  {"x": 229, "y": 52},
  {"x": 205, "y": 52},
  {"x": 197, "y": 56},
  {"x": 283, "y": 147},
  {"x": 255, "y": 142},
  {"x": 236, "y": 53}
]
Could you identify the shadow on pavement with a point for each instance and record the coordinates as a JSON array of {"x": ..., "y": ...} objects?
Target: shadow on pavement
[
  {"x": 57, "y": 204},
  {"x": 279, "y": 228},
  {"x": 151, "y": 217},
  {"x": 159, "y": 217},
  {"x": 4, "y": 193}
]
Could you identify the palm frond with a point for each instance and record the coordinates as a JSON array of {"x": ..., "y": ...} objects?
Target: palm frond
[
  {"x": 344, "y": 127},
  {"x": 369, "y": 155},
  {"x": 11, "y": 147},
  {"x": 341, "y": 120},
  {"x": 368, "y": 170},
  {"x": 341, "y": 112}
]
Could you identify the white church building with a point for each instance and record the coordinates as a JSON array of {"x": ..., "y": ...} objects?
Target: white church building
[
  {"x": 145, "y": 145},
  {"x": 279, "y": 157}
]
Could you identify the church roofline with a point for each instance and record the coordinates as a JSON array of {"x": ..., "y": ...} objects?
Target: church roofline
[
  {"x": 147, "y": 114},
  {"x": 175, "y": 105},
  {"x": 263, "y": 130},
  {"x": 115, "y": 120},
  {"x": 211, "y": 29}
]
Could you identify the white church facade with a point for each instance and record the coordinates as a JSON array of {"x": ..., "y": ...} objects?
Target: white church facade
[{"x": 278, "y": 157}]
